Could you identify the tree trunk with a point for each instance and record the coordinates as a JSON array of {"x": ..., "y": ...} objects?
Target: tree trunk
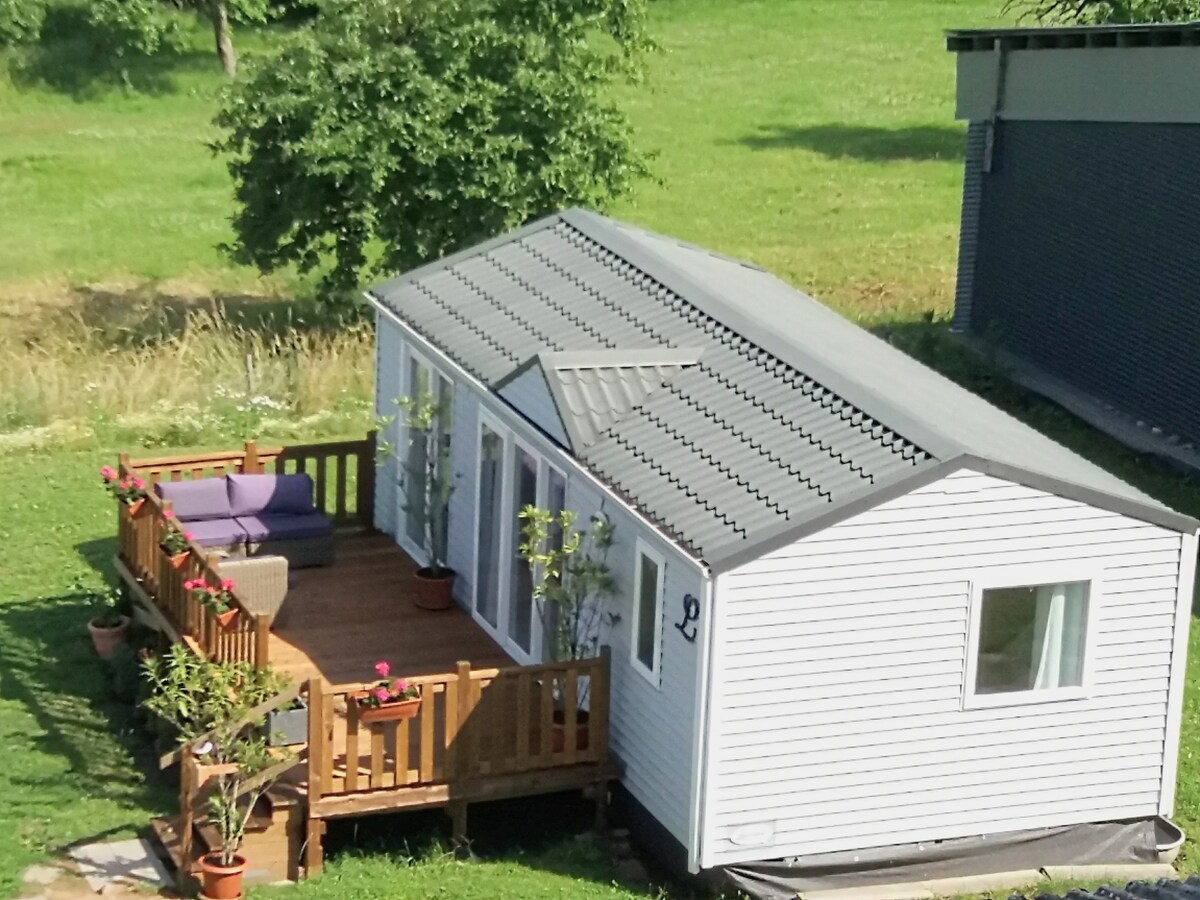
[{"x": 220, "y": 22}]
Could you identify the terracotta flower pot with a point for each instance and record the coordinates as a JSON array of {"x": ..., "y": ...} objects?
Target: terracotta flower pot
[
  {"x": 389, "y": 712},
  {"x": 560, "y": 731},
  {"x": 106, "y": 640},
  {"x": 221, "y": 882},
  {"x": 227, "y": 618},
  {"x": 434, "y": 592},
  {"x": 177, "y": 560},
  {"x": 136, "y": 506}
]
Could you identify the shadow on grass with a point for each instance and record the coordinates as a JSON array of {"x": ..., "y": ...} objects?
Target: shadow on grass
[
  {"x": 50, "y": 669},
  {"x": 869, "y": 143},
  {"x": 80, "y": 59}
]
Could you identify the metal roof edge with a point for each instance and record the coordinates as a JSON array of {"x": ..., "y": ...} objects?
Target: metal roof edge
[
  {"x": 1134, "y": 509},
  {"x": 458, "y": 256},
  {"x": 569, "y": 425},
  {"x": 601, "y": 359},
  {"x": 853, "y": 392},
  {"x": 516, "y": 373},
  {"x": 729, "y": 556},
  {"x": 1071, "y": 37}
]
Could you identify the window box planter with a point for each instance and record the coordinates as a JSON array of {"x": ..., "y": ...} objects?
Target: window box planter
[{"x": 287, "y": 726}]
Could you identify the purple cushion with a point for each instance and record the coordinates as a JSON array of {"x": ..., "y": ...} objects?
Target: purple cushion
[
  {"x": 283, "y": 528},
  {"x": 216, "y": 532},
  {"x": 205, "y": 498},
  {"x": 250, "y": 495}
]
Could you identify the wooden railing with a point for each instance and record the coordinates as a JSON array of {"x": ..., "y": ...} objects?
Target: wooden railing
[
  {"x": 473, "y": 727},
  {"x": 139, "y": 535},
  {"x": 343, "y": 472}
]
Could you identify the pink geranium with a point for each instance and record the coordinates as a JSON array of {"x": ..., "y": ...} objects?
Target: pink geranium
[
  {"x": 388, "y": 690},
  {"x": 127, "y": 490},
  {"x": 383, "y": 669},
  {"x": 219, "y": 599}
]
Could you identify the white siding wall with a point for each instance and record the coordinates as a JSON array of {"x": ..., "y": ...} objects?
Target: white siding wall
[
  {"x": 838, "y": 718},
  {"x": 387, "y": 389},
  {"x": 651, "y": 726},
  {"x": 530, "y": 394}
]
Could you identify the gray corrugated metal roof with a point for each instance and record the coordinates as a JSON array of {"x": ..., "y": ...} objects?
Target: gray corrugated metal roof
[
  {"x": 1055, "y": 37},
  {"x": 790, "y": 413}
]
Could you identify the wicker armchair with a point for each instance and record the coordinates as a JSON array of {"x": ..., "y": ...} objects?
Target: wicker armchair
[{"x": 262, "y": 582}]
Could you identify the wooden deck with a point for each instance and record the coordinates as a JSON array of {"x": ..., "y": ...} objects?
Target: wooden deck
[{"x": 337, "y": 622}]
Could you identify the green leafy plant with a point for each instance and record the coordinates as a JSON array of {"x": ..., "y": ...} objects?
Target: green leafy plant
[
  {"x": 1106, "y": 12},
  {"x": 391, "y": 133},
  {"x": 428, "y": 482},
  {"x": 218, "y": 598},
  {"x": 128, "y": 490},
  {"x": 573, "y": 582},
  {"x": 387, "y": 689},
  {"x": 208, "y": 704},
  {"x": 175, "y": 540},
  {"x": 20, "y": 21},
  {"x": 109, "y": 607}
]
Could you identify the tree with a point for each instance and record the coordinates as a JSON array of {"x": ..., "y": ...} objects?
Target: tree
[
  {"x": 1108, "y": 12},
  {"x": 393, "y": 132},
  {"x": 145, "y": 26}
]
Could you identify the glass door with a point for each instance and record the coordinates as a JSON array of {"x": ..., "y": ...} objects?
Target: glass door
[
  {"x": 520, "y": 584},
  {"x": 423, "y": 382},
  {"x": 489, "y": 516}
]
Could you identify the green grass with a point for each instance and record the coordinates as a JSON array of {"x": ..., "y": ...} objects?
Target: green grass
[{"x": 815, "y": 138}]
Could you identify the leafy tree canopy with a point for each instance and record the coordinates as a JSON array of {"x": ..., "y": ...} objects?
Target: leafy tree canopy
[
  {"x": 392, "y": 132},
  {"x": 20, "y": 21},
  {"x": 1109, "y": 12}
]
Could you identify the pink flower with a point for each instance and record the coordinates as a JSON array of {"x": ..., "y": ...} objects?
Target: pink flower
[
  {"x": 189, "y": 535},
  {"x": 140, "y": 482},
  {"x": 382, "y": 669},
  {"x": 401, "y": 687},
  {"x": 227, "y": 584},
  {"x": 168, "y": 514},
  {"x": 108, "y": 472},
  {"x": 382, "y": 695},
  {"x": 190, "y": 584}
]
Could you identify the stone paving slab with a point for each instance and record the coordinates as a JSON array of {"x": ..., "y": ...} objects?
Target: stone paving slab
[{"x": 130, "y": 862}]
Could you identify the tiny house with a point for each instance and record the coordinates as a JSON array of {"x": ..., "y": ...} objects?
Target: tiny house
[
  {"x": 1079, "y": 261},
  {"x": 862, "y": 612}
]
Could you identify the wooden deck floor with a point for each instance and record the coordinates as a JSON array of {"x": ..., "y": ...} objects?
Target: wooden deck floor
[{"x": 337, "y": 622}]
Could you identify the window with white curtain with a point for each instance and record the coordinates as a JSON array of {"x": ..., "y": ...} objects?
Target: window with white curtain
[{"x": 1029, "y": 642}]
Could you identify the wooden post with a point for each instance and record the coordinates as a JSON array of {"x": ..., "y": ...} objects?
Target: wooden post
[
  {"x": 365, "y": 499},
  {"x": 314, "y": 852},
  {"x": 458, "y": 828},
  {"x": 463, "y": 756},
  {"x": 187, "y": 776},
  {"x": 598, "y": 705},
  {"x": 250, "y": 463},
  {"x": 262, "y": 641}
]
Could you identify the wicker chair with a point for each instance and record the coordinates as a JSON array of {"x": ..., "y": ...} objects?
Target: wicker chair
[{"x": 262, "y": 582}]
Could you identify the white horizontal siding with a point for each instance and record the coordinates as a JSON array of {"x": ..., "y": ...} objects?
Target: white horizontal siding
[
  {"x": 388, "y": 345},
  {"x": 837, "y": 717}
]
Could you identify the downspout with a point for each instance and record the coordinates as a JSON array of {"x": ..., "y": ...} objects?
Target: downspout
[
  {"x": 700, "y": 723},
  {"x": 989, "y": 145}
]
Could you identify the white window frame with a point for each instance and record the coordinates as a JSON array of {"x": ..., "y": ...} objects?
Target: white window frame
[
  {"x": 1031, "y": 576},
  {"x": 509, "y": 539},
  {"x": 654, "y": 673},
  {"x": 408, "y": 356}
]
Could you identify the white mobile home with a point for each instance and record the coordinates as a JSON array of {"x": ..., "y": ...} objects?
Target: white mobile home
[{"x": 861, "y": 609}]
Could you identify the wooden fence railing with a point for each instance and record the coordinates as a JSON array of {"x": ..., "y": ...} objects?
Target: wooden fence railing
[
  {"x": 343, "y": 472},
  {"x": 473, "y": 726},
  {"x": 246, "y": 639}
]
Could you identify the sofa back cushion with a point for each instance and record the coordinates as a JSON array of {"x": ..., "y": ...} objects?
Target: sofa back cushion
[
  {"x": 284, "y": 495},
  {"x": 197, "y": 501}
]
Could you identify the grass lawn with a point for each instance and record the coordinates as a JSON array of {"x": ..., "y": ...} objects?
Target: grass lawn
[{"x": 815, "y": 138}]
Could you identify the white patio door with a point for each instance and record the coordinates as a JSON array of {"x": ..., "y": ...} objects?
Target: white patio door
[
  {"x": 420, "y": 379},
  {"x": 511, "y": 476}
]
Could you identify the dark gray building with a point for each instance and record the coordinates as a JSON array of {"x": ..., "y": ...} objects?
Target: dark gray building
[{"x": 1080, "y": 252}]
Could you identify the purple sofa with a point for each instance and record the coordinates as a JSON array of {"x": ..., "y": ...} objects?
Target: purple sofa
[{"x": 254, "y": 515}]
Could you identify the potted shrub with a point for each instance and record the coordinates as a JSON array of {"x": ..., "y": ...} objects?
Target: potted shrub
[
  {"x": 130, "y": 490},
  {"x": 427, "y": 485},
  {"x": 109, "y": 622},
  {"x": 390, "y": 698},
  {"x": 572, "y": 587},
  {"x": 208, "y": 706},
  {"x": 219, "y": 599},
  {"x": 175, "y": 544}
]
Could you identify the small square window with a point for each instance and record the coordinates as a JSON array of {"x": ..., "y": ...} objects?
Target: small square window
[
  {"x": 647, "y": 612},
  {"x": 1030, "y": 639}
]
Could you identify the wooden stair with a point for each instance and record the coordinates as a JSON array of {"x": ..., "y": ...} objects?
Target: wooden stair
[{"x": 272, "y": 843}]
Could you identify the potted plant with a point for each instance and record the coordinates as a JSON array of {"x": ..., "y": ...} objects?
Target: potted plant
[
  {"x": 130, "y": 490},
  {"x": 571, "y": 592},
  {"x": 288, "y": 725},
  {"x": 219, "y": 599},
  {"x": 208, "y": 705},
  {"x": 109, "y": 623},
  {"x": 175, "y": 544},
  {"x": 389, "y": 699},
  {"x": 427, "y": 485}
]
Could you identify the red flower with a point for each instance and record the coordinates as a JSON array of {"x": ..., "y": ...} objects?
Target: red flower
[
  {"x": 401, "y": 686},
  {"x": 140, "y": 482},
  {"x": 189, "y": 535},
  {"x": 108, "y": 472},
  {"x": 382, "y": 669},
  {"x": 168, "y": 514},
  {"x": 227, "y": 584},
  {"x": 382, "y": 695}
]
